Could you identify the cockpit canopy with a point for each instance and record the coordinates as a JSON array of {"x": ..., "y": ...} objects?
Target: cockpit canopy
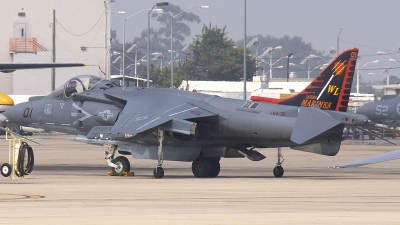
[{"x": 76, "y": 84}]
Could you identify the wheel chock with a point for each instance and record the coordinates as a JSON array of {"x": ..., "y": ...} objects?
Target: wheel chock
[
  {"x": 126, "y": 174},
  {"x": 129, "y": 174}
]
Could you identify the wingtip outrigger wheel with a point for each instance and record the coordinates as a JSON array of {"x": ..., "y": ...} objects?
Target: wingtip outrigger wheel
[
  {"x": 278, "y": 170},
  {"x": 158, "y": 172}
]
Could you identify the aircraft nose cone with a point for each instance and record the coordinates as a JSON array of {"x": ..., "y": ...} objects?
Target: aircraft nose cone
[
  {"x": 367, "y": 110},
  {"x": 15, "y": 113},
  {"x": 3, "y": 119}
]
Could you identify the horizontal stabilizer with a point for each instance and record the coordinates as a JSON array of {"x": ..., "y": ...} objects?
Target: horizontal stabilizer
[
  {"x": 252, "y": 155},
  {"x": 373, "y": 159},
  {"x": 311, "y": 122}
]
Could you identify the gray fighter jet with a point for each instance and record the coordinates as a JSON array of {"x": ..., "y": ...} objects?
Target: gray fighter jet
[
  {"x": 167, "y": 124},
  {"x": 387, "y": 112}
]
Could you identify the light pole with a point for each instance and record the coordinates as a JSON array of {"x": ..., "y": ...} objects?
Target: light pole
[
  {"x": 287, "y": 66},
  {"x": 244, "y": 51},
  {"x": 255, "y": 42},
  {"x": 148, "y": 39},
  {"x": 392, "y": 58},
  {"x": 120, "y": 63},
  {"x": 308, "y": 59},
  {"x": 134, "y": 46},
  {"x": 386, "y": 70},
  {"x": 322, "y": 66},
  {"x": 187, "y": 78},
  {"x": 270, "y": 52},
  {"x": 337, "y": 43},
  {"x": 270, "y": 65},
  {"x": 123, "y": 42},
  {"x": 172, "y": 54},
  {"x": 358, "y": 74},
  {"x": 156, "y": 56}
]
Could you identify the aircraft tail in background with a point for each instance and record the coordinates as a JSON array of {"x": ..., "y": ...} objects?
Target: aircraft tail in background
[{"x": 329, "y": 90}]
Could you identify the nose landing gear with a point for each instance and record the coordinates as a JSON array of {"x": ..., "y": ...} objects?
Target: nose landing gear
[{"x": 119, "y": 165}]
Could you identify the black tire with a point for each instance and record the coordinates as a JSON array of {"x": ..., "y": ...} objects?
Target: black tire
[
  {"x": 158, "y": 172},
  {"x": 215, "y": 167},
  {"x": 123, "y": 166},
  {"x": 371, "y": 137},
  {"x": 6, "y": 170},
  {"x": 356, "y": 135},
  {"x": 14, "y": 128},
  {"x": 201, "y": 167},
  {"x": 278, "y": 171}
]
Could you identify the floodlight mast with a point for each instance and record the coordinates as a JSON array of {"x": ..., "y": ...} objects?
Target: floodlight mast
[
  {"x": 358, "y": 74},
  {"x": 148, "y": 39},
  {"x": 172, "y": 52}
]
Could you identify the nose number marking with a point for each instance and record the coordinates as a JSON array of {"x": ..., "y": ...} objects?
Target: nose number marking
[{"x": 28, "y": 112}]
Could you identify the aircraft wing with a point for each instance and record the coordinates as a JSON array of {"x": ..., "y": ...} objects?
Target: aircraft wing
[
  {"x": 373, "y": 159},
  {"x": 11, "y": 67},
  {"x": 142, "y": 114}
]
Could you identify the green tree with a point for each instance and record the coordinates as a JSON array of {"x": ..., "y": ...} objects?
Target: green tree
[
  {"x": 160, "y": 38},
  {"x": 215, "y": 57},
  {"x": 114, "y": 36},
  {"x": 181, "y": 29},
  {"x": 392, "y": 80}
]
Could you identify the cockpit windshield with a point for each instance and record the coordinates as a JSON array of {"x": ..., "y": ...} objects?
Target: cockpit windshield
[{"x": 76, "y": 84}]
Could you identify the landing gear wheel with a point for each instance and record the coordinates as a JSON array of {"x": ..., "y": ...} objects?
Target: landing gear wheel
[
  {"x": 14, "y": 128},
  {"x": 123, "y": 166},
  {"x": 215, "y": 168},
  {"x": 6, "y": 170},
  {"x": 371, "y": 137},
  {"x": 158, "y": 172},
  {"x": 278, "y": 171},
  {"x": 201, "y": 167}
]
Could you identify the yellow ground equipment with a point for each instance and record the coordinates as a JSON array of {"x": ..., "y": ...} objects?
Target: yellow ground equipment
[{"x": 20, "y": 158}]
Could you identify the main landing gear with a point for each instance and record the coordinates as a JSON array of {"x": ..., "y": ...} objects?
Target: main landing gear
[
  {"x": 278, "y": 170},
  {"x": 206, "y": 167},
  {"x": 201, "y": 167},
  {"x": 119, "y": 165},
  {"x": 159, "y": 171}
]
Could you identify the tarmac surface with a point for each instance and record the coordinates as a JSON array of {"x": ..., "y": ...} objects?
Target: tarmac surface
[{"x": 69, "y": 185}]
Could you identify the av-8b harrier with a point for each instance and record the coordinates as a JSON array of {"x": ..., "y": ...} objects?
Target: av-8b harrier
[{"x": 167, "y": 124}]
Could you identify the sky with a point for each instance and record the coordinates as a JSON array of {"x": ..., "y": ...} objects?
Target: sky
[{"x": 369, "y": 25}]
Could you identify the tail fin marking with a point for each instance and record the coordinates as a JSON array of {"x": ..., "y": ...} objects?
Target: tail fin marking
[{"x": 330, "y": 89}]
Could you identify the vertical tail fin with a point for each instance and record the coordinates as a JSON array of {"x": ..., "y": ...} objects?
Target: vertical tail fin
[{"x": 330, "y": 89}]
